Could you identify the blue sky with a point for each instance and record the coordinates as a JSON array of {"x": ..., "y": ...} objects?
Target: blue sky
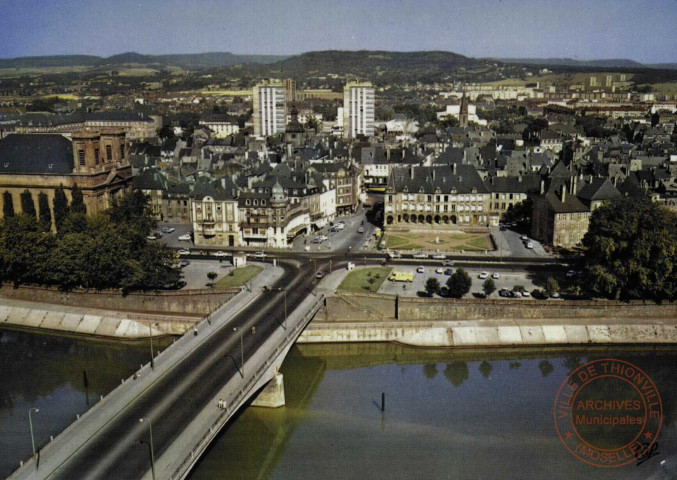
[{"x": 642, "y": 30}]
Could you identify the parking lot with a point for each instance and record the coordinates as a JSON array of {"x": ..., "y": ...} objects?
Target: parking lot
[{"x": 507, "y": 279}]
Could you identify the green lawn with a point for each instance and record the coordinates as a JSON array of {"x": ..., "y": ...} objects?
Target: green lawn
[
  {"x": 434, "y": 241},
  {"x": 358, "y": 280},
  {"x": 239, "y": 276}
]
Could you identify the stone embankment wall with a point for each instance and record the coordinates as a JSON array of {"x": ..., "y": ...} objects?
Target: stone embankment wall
[
  {"x": 190, "y": 302},
  {"x": 362, "y": 317},
  {"x": 355, "y": 307}
]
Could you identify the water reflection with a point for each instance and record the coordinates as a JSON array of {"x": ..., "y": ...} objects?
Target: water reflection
[
  {"x": 62, "y": 376},
  {"x": 489, "y": 415}
]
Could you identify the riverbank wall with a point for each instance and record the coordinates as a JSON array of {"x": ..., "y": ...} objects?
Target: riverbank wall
[
  {"x": 190, "y": 302},
  {"x": 428, "y": 322}
]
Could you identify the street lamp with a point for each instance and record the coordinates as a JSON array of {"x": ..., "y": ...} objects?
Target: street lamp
[
  {"x": 150, "y": 446},
  {"x": 150, "y": 335},
  {"x": 30, "y": 423},
  {"x": 241, "y": 351}
]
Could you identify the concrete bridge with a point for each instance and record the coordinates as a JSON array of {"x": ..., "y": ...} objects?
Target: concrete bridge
[{"x": 190, "y": 390}]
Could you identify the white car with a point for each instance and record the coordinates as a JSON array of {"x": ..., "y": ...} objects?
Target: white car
[
  {"x": 524, "y": 237},
  {"x": 184, "y": 251},
  {"x": 495, "y": 275},
  {"x": 168, "y": 229},
  {"x": 572, "y": 273},
  {"x": 394, "y": 255},
  {"x": 220, "y": 254},
  {"x": 151, "y": 237},
  {"x": 483, "y": 275},
  {"x": 260, "y": 255},
  {"x": 439, "y": 256},
  {"x": 529, "y": 245},
  {"x": 185, "y": 237},
  {"x": 420, "y": 255},
  {"x": 525, "y": 293},
  {"x": 420, "y": 270},
  {"x": 440, "y": 271}
]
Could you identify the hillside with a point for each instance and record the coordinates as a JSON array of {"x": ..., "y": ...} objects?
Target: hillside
[{"x": 622, "y": 63}]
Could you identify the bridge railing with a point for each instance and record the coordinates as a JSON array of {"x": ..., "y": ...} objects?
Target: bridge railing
[{"x": 244, "y": 392}]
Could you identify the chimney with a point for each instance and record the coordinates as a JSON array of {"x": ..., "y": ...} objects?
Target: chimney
[
  {"x": 542, "y": 187},
  {"x": 572, "y": 183},
  {"x": 453, "y": 168},
  {"x": 433, "y": 174},
  {"x": 411, "y": 172},
  {"x": 519, "y": 178},
  {"x": 564, "y": 194}
]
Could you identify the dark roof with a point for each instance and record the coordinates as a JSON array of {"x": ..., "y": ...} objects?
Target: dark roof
[
  {"x": 442, "y": 177},
  {"x": 598, "y": 189},
  {"x": 521, "y": 184},
  {"x": 43, "y": 154},
  {"x": 150, "y": 179}
]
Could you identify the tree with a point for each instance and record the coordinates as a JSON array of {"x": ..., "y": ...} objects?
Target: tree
[
  {"x": 432, "y": 286},
  {"x": 166, "y": 131},
  {"x": 631, "y": 251},
  {"x": 459, "y": 283},
  {"x": 551, "y": 286},
  {"x": 488, "y": 287},
  {"x": 456, "y": 373},
  {"x": 212, "y": 276},
  {"x": 27, "y": 204},
  {"x": 45, "y": 215},
  {"x": 7, "y": 205},
  {"x": 520, "y": 212},
  {"x": 485, "y": 369},
  {"x": 60, "y": 205},
  {"x": 77, "y": 202}
]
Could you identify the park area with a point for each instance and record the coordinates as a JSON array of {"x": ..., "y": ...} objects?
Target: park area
[
  {"x": 435, "y": 241},
  {"x": 237, "y": 277},
  {"x": 365, "y": 279}
]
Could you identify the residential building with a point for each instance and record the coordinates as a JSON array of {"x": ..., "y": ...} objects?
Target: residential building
[
  {"x": 358, "y": 110},
  {"x": 269, "y": 108}
]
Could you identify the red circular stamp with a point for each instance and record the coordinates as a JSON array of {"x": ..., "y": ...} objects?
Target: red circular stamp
[{"x": 608, "y": 413}]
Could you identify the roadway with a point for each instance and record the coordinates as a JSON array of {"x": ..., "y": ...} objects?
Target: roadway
[{"x": 171, "y": 402}]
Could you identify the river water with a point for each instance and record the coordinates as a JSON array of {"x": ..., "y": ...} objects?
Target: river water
[{"x": 448, "y": 414}]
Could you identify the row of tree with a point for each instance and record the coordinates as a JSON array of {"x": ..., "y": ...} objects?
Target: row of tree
[
  {"x": 44, "y": 217},
  {"x": 108, "y": 250}
]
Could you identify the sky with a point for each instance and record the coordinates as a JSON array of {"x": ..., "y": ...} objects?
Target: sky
[{"x": 642, "y": 30}]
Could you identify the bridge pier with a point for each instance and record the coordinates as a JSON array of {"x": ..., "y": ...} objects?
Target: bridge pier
[{"x": 272, "y": 395}]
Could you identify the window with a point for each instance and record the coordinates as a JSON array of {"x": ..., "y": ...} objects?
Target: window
[
  {"x": 96, "y": 156},
  {"x": 81, "y": 157},
  {"x": 122, "y": 151},
  {"x": 109, "y": 153}
]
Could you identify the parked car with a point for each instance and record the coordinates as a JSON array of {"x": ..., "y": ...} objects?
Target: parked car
[
  {"x": 220, "y": 254},
  {"x": 572, "y": 273},
  {"x": 525, "y": 293},
  {"x": 394, "y": 254},
  {"x": 448, "y": 271},
  {"x": 260, "y": 255},
  {"x": 483, "y": 275},
  {"x": 439, "y": 270},
  {"x": 168, "y": 229},
  {"x": 185, "y": 237},
  {"x": 157, "y": 235},
  {"x": 502, "y": 228},
  {"x": 448, "y": 263},
  {"x": 360, "y": 230},
  {"x": 184, "y": 263},
  {"x": 319, "y": 275},
  {"x": 495, "y": 275},
  {"x": 517, "y": 294},
  {"x": 439, "y": 256},
  {"x": 524, "y": 237},
  {"x": 317, "y": 240},
  {"x": 555, "y": 295},
  {"x": 184, "y": 251},
  {"x": 420, "y": 255},
  {"x": 151, "y": 237},
  {"x": 503, "y": 292},
  {"x": 529, "y": 245},
  {"x": 420, "y": 269}
]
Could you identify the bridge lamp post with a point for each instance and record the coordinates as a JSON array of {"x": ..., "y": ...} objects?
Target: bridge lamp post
[
  {"x": 30, "y": 424},
  {"x": 241, "y": 351},
  {"x": 285, "y": 305},
  {"x": 150, "y": 335},
  {"x": 150, "y": 446}
]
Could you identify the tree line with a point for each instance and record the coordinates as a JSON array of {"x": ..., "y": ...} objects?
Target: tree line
[{"x": 102, "y": 251}]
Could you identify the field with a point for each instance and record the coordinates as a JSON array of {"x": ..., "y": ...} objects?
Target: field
[
  {"x": 432, "y": 242},
  {"x": 239, "y": 276},
  {"x": 369, "y": 279}
]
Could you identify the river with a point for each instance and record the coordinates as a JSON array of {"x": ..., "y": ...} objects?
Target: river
[{"x": 466, "y": 414}]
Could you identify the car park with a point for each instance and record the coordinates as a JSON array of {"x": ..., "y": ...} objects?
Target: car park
[
  {"x": 185, "y": 237},
  {"x": 495, "y": 275},
  {"x": 168, "y": 229},
  {"x": 220, "y": 254},
  {"x": 439, "y": 256},
  {"x": 184, "y": 251},
  {"x": 420, "y": 255},
  {"x": 420, "y": 269},
  {"x": 483, "y": 275}
]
